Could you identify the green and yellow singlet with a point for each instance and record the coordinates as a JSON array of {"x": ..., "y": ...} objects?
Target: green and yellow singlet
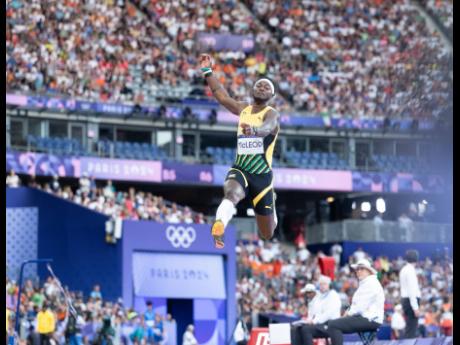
[{"x": 254, "y": 154}]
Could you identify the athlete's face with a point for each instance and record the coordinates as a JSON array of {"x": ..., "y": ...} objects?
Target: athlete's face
[{"x": 262, "y": 91}]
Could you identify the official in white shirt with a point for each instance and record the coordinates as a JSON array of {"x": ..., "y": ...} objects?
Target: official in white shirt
[
  {"x": 410, "y": 293},
  {"x": 367, "y": 306},
  {"x": 327, "y": 306}
]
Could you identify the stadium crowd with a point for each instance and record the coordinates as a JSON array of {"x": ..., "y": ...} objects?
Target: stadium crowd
[
  {"x": 443, "y": 11},
  {"x": 270, "y": 280},
  {"x": 134, "y": 205},
  {"x": 359, "y": 58},
  {"x": 45, "y": 318}
]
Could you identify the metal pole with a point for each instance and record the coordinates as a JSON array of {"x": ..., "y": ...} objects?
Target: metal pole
[{"x": 16, "y": 323}]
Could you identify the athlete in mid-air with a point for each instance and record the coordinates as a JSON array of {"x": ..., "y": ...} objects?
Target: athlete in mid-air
[{"x": 251, "y": 174}]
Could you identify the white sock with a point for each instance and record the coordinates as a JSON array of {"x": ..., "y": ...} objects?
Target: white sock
[{"x": 225, "y": 211}]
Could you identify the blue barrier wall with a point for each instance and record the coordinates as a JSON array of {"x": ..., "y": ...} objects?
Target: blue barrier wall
[{"x": 66, "y": 231}]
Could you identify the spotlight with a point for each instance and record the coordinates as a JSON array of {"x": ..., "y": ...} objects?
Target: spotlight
[
  {"x": 365, "y": 206},
  {"x": 380, "y": 205}
]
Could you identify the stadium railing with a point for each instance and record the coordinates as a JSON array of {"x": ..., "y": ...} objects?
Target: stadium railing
[{"x": 388, "y": 231}]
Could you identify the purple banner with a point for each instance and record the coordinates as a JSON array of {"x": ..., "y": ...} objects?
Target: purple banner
[
  {"x": 42, "y": 164},
  {"x": 219, "y": 42},
  {"x": 16, "y": 99},
  {"x": 121, "y": 169},
  {"x": 187, "y": 173},
  {"x": 300, "y": 179},
  {"x": 327, "y": 180},
  {"x": 172, "y": 172}
]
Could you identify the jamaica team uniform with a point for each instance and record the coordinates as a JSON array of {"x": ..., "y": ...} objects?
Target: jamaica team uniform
[{"x": 253, "y": 163}]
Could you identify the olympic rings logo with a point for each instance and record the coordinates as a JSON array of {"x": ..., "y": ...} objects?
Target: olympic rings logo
[{"x": 180, "y": 236}]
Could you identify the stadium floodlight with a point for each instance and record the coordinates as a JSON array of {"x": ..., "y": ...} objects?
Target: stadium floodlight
[
  {"x": 330, "y": 199},
  {"x": 365, "y": 206},
  {"x": 380, "y": 205}
]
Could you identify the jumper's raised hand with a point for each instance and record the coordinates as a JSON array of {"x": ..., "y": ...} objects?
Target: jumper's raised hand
[{"x": 205, "y": 61}]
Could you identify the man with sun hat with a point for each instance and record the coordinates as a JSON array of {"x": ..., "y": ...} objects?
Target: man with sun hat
[{"x": 367, "y": 306}]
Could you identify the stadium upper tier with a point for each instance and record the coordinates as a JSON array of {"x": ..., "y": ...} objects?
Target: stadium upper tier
[
  {"x": 443, "y": 12},
  {"x": 354, "y": 59}
]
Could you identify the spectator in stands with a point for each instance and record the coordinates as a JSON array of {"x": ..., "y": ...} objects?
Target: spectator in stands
[
  {"x": 158, "y": 330},
  {"x": 406, "y": 224},
  {"x": 447, "y": 322},
  {"x": 187, "y": 216},
  {"x": 46, "y": 324},
  {"x": 32, "y": 182},
  {"x": 398, "y": 324},
  {"x": 149, "y": 317},
  {"x": 55, "y": 186},
  {"x": 85, "y": 183},
  {"x": 359, "y": 254},
  {"x": 109, "y": 190},
  {"x": 336, "y": 253},
  {"x": 410, "y": 293},
  {"x": 173, "y": 215},
  {"x": 199, "y": 218},
  {"x": 96, "y": 293},
  {"x": 189, "y": 337},
  {"x": 12, "y": 180},
  {"x": 106, "y": 333},
  {"x": 303, "y": 254}
]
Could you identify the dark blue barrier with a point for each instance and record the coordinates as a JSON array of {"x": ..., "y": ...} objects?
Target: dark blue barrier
[{"x": 74, "y": 237}]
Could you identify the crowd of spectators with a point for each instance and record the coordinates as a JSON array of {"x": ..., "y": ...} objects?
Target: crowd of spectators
[
  {"x": 84, "y": 49},
  {"x": 358, "y": 58},
  {"x": 270, "y": 279},
  {"x": 134, "y": 205},
  {"x": 44, "y": 318},
  {"x": 443, "y": 11}
]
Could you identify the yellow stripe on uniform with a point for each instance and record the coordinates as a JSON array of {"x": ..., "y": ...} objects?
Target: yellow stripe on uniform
[
  {"x": 244, "y": 177},
  {"x": 269, "y": 152},
  {"x": 256, "y": 200}
]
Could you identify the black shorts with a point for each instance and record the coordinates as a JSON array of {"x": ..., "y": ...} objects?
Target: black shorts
[{"x": 258, "y": 187}]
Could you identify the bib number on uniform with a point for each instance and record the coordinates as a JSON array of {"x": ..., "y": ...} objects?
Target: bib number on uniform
[{"x": 250, "y": 145}]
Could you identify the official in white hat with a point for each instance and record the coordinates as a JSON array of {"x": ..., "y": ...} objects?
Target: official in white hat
[{"x": 367, "y": 306}]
